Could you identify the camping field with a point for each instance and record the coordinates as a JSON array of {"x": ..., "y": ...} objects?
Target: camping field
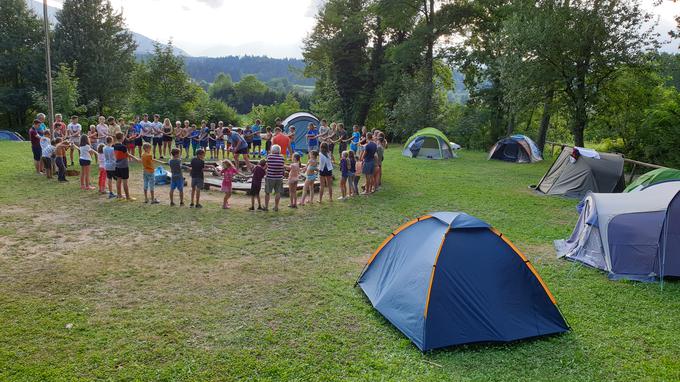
[{"x": 99, "y": 289}]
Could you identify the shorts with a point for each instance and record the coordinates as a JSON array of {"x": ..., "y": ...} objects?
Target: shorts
[
  {"x": 242, "y": 151},
  {"x": 37, "y": 153},
  {"x": 204, "y": 144},
  {"x": 167, "y": 138},
  {"x": 186, "y": 142},
  {"x": 255, "y": 188},
  {"x": 131, "y": 145},
  {"x": 369, "y": 167},
  {"x": 326, "y": 172},
  {"x": 313, "y": 147},
  {"x": 146, "y": 139},
  {"x": 212, "y": 144},
  {"x": 179, "y": 142},
  {"x": 219, "y": 145},
  {"x": 84, "y": 162},
  {"x": 197, "y": 182},
  {"x": 138, "y": 141},
  {"x": 257, "y": 142},
  {"x": 111, "y": 174},
  {"x": 250, "y": 144},
  {"x": 177, "y": 184},
  {"x": 122, "y": 173},
  {"x": 157, "y": 141},
  {"x": 268, "y": 146},
  {"x": 273, "y": 185},
  {"x": 47, "y": 161},
  {"x": 149, "y": 181}
]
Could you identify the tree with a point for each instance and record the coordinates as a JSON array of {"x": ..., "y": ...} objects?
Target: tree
[
  {"x": 92, "y": 37},
  {"x": 64, "y": 91},
  {"x": 222, "y": 88},
  {"x": 162, "y": 86},
  {"x": 22, "y": 62},
  {"x": 586, "y": 43},
  {"x": 249, "y": 91}
]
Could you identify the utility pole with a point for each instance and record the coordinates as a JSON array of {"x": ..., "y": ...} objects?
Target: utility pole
[{"x": 48, "y": 65}]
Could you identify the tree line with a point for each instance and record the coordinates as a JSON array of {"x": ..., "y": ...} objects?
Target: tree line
[
  {"x": 576, "y": 71},
  {"x": 95, "y": 72}
]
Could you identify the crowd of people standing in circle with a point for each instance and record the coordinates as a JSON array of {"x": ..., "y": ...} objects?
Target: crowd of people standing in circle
[{"x": 259, "y": 153}]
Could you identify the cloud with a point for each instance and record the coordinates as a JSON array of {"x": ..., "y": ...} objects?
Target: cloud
[
  {"x": 212, "y": 3},
  {"x": 314, "y": 7}
]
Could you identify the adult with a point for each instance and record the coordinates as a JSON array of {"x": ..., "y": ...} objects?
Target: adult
[
  {"x": 325, "y": 172},
  {"x": 167, "y": 137},
  {"x": 138, "y": 136},
  {"x": 179, "y": 137},
  {"x": 257, "y": 138},
  {"x": 102, "y": 130},
  {"x": 34, "y": 137},
  {"x": 239, "y": 146},
  {"x": 188, "y": 130},
  {"x": 368, "y": 156},
  {"x": 157, "y": 138},
  {"x": 312, "y": 138},
  {"x": 330, "y": 139},
  {"x": 219, "y": 140},
  {"x": 273, "y": 181},
  {"x": 73, "y": 132},
  {"x": 58, "y": 127},
  {"x": 281, "y": 139},
  {"x": 147, "y": 129},
  {"x": 342, "y": 139}
]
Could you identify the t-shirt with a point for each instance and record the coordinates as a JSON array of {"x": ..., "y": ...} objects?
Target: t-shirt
[
  {"x": 175, "y": 168},
  {"x": 323, "y": 130},
  {"x": 85, "y": 152},
  {"x": 157, "y": 127},
  {"x": 258, "y": 174},
  {"x": 256, "y": 133},
  {"x": 147, "y": 163},
  {"x": 248, "y": 135},
  {"x": 147, "y": 128},
  {"x": 109, "y": 158},
  {"x": 342, "y": 134},
  {"x": 381, "y": 153},
  {"x": 275, "y": 166},
  {"x": 344, "y": 169},
  {"x": 44, "y": 142},
  {"x": 74, "y": 130},
  {"x": 370, "y": 149},
  {"x": 34, "y": 137},
  {"x": 48, "y": 151},
  {"x": 237, "y": 141},
  {"x": 282, "y": 140},
  {"x": 313, "y": 141},
  {"x": 102, "y": 132},
  {"x": 355, "y": 137},
  {"x": 120, "y": 152},
  {"x": 197, "y": 166},
  {"x": 100, "y": 161}
]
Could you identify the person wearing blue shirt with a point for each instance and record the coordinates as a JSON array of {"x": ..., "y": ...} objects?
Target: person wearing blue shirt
[
  {"x": 239, "y": 146},
  {"x": 194, "y": 137},
  {"x": 312, "y": 138},
  {"x": 257, "y": 139},
  {"x": 368, "y": 157}
]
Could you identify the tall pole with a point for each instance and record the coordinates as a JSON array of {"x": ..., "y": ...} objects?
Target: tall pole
[{"x": 48, "y": 67}]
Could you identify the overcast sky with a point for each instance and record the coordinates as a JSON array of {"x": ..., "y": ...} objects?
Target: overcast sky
[{"x": 257, "y": 27}]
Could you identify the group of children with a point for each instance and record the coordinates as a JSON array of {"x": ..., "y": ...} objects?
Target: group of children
[{"x": 112, "y": 149}]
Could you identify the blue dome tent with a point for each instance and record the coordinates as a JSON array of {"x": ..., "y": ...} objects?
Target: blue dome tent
[
  {"x": 516, "y": 148},
  {"x": 300, "y": 120},
  {"x": 449, "y": 278}
]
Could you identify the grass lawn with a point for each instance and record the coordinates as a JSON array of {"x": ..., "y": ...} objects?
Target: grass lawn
[{"x": 98, "y": 289}]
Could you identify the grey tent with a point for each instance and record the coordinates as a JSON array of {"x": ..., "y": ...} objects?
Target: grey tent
[
  {"x": 632, "y": 235},
  {"x": 573, "y": 174}
]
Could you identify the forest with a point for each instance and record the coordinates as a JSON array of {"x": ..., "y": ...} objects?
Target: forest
[{"x": 579, "y": 72}]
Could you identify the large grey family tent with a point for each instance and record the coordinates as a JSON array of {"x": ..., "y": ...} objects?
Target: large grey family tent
[
  {"x": 301, "y": 121},
  {"x": 654, "y": 177},
  {"x": 448, "y": 278},
  {"x": 516, "y": 148},
  {"x": 634, "y": 235},
  {"x": 577, "y": 171},
  {"x": 428, "y": 143}
]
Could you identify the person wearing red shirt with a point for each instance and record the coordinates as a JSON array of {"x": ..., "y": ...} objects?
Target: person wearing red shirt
[{"x": 282, "y": 140}]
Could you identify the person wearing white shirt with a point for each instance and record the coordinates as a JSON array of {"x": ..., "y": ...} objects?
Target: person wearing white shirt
[
  {"x": 147, "y": 128},
  {"x": 325, "y": 171}
]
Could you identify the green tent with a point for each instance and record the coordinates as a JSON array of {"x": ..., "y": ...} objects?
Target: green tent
[
  {"x": 653, "y": 177},
  {"x": 428, "y": 143}
]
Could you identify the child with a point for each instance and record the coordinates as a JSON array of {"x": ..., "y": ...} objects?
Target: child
[
  {"x": 60, "y": 159},
  {"x": 344, "y": 169},
  {"x": 197, "y": 167},
  {"x": 311, "y": 174},
  {"x": 73, "y": 131},
  {"x": 291, "y": 136},
  {"x": 203, "y": 137},
  {"x": 256, "y": 185},
  {"x": 176, "y": 179},
  {"x": 352, "y": 170},
  {"x": 354, "y": 140},
  {"x": 228, "y": 172},
  {"x": 268, "y": 140},
  {"x": 248, "y": 136},
  {"x": 194, "y": 136},
  {"x": 85, "y": 151},
  {"x": 293, "y": 175},
  {"x": 122, "y": 168},
  {"x": 46, "y": 152},
  {"x": 102, "y": 168},
  {"x": 212, "y": 141},
  {"x": 110, "y": 164},
  {"x": 148, "y": 176}
]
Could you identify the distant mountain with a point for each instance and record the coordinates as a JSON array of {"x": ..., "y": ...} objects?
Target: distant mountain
[{"x": 144, "y": 44}]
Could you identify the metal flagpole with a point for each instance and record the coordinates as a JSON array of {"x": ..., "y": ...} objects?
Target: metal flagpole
[{"x": 48, "y": 64}]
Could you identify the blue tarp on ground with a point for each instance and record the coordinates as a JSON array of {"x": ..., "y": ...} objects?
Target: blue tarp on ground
[{"x": 448, "y": 279}]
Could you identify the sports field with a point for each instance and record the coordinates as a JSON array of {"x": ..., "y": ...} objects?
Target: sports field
[{"x": 98, "y": 289}]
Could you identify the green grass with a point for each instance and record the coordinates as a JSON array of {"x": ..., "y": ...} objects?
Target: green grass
[{"x": 161, "y": 293}]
